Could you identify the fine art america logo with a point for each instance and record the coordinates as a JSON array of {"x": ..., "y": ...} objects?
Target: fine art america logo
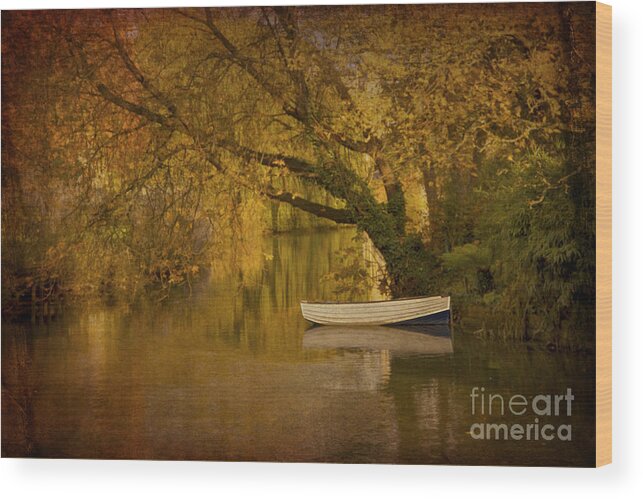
[{"x": 539, "y": 406}]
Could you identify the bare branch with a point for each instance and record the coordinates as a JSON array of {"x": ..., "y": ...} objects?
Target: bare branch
[
  {"x": 297, "y": 112},
  {"x": 138, "y": 74},
  {"x": 248, "y": 65},
  {"x": 89, "y": 74},
  {"x": 130, "y": 106}
]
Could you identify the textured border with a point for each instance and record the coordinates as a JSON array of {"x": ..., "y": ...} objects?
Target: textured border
[{"x": 603, "y": 234}]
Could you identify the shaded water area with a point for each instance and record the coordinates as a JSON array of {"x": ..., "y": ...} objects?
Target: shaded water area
[{"x": 230, "y": 373}]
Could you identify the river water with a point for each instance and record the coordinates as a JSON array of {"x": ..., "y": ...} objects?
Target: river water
[{"x": 231, "y": 373}]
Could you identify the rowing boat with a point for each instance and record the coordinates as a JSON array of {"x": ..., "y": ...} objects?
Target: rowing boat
[{"x": 423, "y": 310}]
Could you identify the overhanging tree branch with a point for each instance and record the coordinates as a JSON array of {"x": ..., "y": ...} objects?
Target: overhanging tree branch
[
  {"x": 299, "y": 111},
  {"x": 131, "y": 106},
  {"x": 341, "y": 216},
  {"x": 138, "y": 74},
  {"x": 273, "y": 160},
  {"x": 295, "y": 165},
  {"x": 248, "y": 65},
  {"x": 338, "y": 215},
  {"x": 89, "y": 73}
]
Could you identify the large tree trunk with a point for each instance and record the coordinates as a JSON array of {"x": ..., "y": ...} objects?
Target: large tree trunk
[
  {"x": 431, "y": 192},
  {"x": 396, "y": 204}
]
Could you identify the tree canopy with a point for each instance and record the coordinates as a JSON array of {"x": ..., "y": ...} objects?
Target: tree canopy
[{"x": 140, "y": 144}]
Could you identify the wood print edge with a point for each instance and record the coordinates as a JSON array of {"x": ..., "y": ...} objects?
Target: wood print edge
[{"x": 603, "y": 234}]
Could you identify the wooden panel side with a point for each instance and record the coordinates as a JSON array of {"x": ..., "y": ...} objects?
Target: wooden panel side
[{"x": 603, "y": 234}]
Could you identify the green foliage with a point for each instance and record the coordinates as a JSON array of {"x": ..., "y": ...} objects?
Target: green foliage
[
  {"x": 470, "y": 263},
  {"x": 533, "y": 261}
]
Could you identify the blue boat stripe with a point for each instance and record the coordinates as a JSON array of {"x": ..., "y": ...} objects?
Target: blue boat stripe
[{"x": 443, "y": 317}]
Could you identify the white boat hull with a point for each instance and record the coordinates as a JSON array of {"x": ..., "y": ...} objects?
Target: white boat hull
[{"x": 408, "y": 311}]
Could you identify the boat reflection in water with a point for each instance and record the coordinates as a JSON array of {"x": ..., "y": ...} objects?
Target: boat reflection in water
[{"x": 425, "y": 340}]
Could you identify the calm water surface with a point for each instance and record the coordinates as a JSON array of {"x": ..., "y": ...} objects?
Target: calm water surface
[{"x": 229, "y": 374}]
